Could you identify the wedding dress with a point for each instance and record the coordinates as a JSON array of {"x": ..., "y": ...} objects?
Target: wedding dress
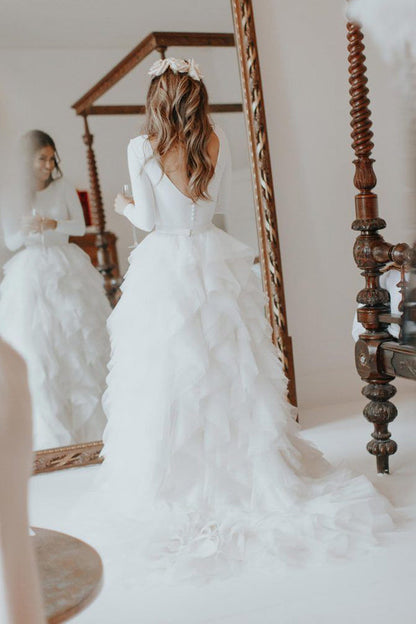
[
  {"x": 53, "y": 311},
  {"x": 202, "y": 450}
]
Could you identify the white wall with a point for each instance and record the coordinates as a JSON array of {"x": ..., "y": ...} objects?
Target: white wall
[{"x": 303, "y": 56}]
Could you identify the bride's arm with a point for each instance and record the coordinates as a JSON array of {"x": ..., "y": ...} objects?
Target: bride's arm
[
  {"x": 14, "y": 236},
  {"x": 74, "y": 225},
  {"x": 142, "y": 212}
]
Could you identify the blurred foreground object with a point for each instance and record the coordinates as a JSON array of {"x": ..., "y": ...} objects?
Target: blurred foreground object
[
  {"x": 391, "y": 23},
  {"x": 22, "y": 587},
  {"x": 70, "y": 572}
]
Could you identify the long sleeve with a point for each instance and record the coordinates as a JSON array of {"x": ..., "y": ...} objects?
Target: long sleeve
[
  {"x": 224, "y": 192},
  {"x": 74, "y": 225},
  {"x": 15, "y": 203},
  {"x": 14, "y": 237},
  {"x": 142, "y": 212}
]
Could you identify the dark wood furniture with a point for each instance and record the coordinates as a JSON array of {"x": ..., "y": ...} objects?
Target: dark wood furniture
[
  {"x": 379, "y": 357},
  {"x": 88, "y": 244},
  {"x": 71, "y": 573}
]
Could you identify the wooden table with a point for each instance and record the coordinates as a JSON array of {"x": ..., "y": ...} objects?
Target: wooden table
[{"x": 71, "y": 573}]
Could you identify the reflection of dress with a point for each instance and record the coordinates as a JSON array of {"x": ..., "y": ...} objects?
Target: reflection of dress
[
  {"x": 201, "y": 447},
  {"x": 53, "y": 311}
]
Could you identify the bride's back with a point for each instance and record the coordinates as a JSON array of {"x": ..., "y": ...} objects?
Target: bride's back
[
  {"x": 174, "y": 162},
  {"x": 178, "y": 185},
  {"x": 160, "y": 190}
]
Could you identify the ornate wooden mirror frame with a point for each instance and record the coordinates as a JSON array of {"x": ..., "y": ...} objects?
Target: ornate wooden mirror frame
[{"x": 266, "y": 219}]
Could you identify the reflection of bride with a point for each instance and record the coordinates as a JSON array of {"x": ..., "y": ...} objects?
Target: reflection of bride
[
  {"x": 201, "y": 447},
  {"x": 52, "y": 304}
]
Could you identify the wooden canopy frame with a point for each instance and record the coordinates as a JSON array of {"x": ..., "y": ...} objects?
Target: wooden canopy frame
[
  {"x": 266, "y": 218},
  {"x": 159, "y": 41}
]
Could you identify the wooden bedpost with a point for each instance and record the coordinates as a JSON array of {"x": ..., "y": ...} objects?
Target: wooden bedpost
[
  {"x": 371, "y": 253},
  {"x": 104, "y": 265}
]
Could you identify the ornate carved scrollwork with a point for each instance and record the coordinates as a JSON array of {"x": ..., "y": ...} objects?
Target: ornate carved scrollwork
[
  {"x": 104, "y": 265},
  {"x": 378, "y": 357},
  {"x": 371, "y": 252},
  {"x": 267, "y": 227},
  {"x": 67, "y": 457}
]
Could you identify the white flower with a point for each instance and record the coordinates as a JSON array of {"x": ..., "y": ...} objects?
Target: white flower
[
  {"x": 179, "y": 65},
  {"x": 159, "y": 67},
  {"x": 194, "y": 70},
  {"x": 176, "y": 65}
]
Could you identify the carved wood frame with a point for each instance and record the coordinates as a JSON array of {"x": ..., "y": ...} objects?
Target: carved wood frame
[
  {"x": 267, "y": 227},
  {"x": 378, "y": 357}
]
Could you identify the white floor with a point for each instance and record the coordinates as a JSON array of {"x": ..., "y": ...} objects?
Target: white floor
[{"x": 378, "y": 587}]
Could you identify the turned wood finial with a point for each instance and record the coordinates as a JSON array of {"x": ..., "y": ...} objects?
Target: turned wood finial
[
  {"x": 97, "y": 208},
  {"x": 365, "y": 178},
  {"x": 162, "y": 50},
  {"x": 104, "y": 264},
  {"x": 371, "y": 252}
]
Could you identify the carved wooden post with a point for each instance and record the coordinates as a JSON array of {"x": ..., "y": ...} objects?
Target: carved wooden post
[
  {"x": 370, "y": 253},
  {"x": 162, "y": 50},
  {"x": 98, "y": 218}
]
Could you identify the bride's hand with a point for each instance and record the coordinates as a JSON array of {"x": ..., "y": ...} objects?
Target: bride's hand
[
  {"x": 120, "y": 203},
  {"x": 31, "y": 223},
  {"x": 48, "y": 224},
  {"x": 36, "y": 223}
]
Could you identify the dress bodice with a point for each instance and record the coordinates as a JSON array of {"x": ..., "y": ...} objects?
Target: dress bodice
[
  {"x": 58, "y": 201},
  {"x": 158, "y": 202}
]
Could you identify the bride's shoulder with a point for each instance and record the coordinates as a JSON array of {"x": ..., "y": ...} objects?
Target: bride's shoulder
[
  {"x": 138, "y": 145},
  {"x": 140, "y": 138},
  {"x": 62, "y": 185}
]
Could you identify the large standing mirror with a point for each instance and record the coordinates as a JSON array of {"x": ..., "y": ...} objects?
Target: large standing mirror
[{"x": 80, "y": 75}]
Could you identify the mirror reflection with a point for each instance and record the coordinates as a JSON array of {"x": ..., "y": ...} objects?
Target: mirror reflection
[
  {"x": 66, "y": 250},
  {"x": 52, "y": 305}
]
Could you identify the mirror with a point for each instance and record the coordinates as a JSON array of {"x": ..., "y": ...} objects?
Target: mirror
[{"x": 51, "y": 295}]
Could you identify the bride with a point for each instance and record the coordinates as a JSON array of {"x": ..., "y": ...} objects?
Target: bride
[
  {"x": 201, "y": 447},
  {"x": 53, "y": 308}
]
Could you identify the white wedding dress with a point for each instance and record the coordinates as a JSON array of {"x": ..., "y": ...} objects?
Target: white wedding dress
[
  {"x": 202, "y": 451},
  {"x": 53, "y": 311}
]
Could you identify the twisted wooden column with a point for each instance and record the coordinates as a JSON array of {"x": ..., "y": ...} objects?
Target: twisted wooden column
[
  {"x": 98, "y": 219},
  {"x": 371, "y": 252},
  {"x": 267, "y": 226}
]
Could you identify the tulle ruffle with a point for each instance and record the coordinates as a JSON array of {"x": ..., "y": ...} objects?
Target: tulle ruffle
[
  {"x": 53, "y": 311},
  {"x": 201, "y": 448}
]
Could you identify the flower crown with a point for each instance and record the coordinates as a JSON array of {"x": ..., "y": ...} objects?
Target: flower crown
[{"x": 176, "y": 65}]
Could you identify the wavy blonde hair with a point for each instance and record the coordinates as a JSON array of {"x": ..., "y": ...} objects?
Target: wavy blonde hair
[{"x": 177, "y": 115}]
